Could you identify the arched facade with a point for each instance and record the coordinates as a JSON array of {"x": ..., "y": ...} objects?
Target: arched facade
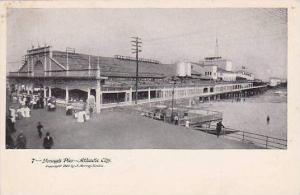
[{"x": 38, "y": 68}]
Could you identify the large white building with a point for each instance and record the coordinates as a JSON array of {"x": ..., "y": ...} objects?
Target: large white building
[
  {"x": 214, "y": 68},
  {"x": 217, "y": 68}
]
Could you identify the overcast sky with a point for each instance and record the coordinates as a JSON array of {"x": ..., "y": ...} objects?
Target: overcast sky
[{"x": 255, "y": 38}]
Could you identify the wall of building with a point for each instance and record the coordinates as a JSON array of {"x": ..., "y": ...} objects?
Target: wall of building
[
  {"x": 222, "y": 63},
  {"x": 198, "y": 69},
  {"x": 227, "y": 76},
  {"x": 210, "y": 72}
]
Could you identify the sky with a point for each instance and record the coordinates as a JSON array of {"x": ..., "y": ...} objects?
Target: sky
[{"x": 250, "y": 37}]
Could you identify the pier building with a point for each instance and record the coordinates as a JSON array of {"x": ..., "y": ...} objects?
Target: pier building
[{"x": 74, "y": 78}]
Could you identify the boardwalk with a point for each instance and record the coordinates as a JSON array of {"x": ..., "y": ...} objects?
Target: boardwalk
[{"x": 118, "y": 130}]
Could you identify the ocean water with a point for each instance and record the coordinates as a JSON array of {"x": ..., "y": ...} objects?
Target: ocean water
[{"x": 251, "y": 115}]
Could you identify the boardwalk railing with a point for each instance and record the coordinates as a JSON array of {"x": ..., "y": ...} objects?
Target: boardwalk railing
[
  {"x": 196, "y": 119},
  {"x": 193, "y": 116},
  {"x": 201, "y": 116},
  {"x": 264, "y": 141}
]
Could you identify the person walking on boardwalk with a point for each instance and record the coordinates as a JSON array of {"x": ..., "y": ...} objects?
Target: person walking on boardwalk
[
  {"x": 268, "y": 119},
  {"x": 48, "y": 141},
  {"x": 21, "y": 141},
  {"x": 39, "y": 129},
  {"x": 176, "y": 119},
  {"x": 219, "y": 128}
]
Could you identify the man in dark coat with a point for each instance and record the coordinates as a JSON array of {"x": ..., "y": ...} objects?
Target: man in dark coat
[
  {"x": 41, "y": 102},
  {"x": 219, "y": 128},
  {"x": 39, "y": 129},
  {"x": 48, "y": 141},
  {"x": 21, "y": 141}
]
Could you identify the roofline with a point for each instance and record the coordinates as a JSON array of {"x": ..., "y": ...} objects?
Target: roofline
[
  {"x": 88, "y": 77},
  {"x": 58, "y": 77}
]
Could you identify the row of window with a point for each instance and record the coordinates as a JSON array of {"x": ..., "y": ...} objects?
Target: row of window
[
  {"x": 207, "y": 73},
  {"x": 233, "y": 87},
  {"x": 201, "y": 90}
]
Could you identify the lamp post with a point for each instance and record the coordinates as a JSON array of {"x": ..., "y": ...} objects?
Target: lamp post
[{"x": 173, "y": 91}]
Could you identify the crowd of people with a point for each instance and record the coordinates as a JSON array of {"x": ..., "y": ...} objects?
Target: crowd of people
[{"x": 21, "y": 106}]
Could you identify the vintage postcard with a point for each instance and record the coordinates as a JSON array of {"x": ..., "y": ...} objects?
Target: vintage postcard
[{"x": 106, "y": 88}]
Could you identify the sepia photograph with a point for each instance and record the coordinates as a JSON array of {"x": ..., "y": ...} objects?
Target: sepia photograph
[{"x": 146, "y": 78}]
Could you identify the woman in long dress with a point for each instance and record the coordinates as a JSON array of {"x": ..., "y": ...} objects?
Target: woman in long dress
[
  {"x": 80, "y": 117},
  {"x": 27, "y": 112}
]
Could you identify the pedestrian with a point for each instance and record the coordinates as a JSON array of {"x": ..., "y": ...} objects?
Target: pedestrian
[
  {"x": 27, "y": 100},
  {"x": 176, "y": 119},
  {"x": 39, "y": 129},
  {"x": 219, "y": 128},
  {"x": 21, "y": 141},
  {"x": 187, "y": 124},
  {"x": 48, "y": 141},
  {"x": 91, "y": 112},
  {"x": 27, "y": 112},
  {"x": 41, "y": 102},
  {"x": 268, "y": 119}
]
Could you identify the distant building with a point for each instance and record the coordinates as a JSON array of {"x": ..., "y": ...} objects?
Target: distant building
[
  {"x": 275, "y": 81},
  {"x": 183, "y": 69},
  {"x": 219, "y": 61},
  {"x": 207, "y": 72},
  {"x": 244, "y": 75},
  {"x": 214, "y": 68},
  {"x": 225, "y": 75}
]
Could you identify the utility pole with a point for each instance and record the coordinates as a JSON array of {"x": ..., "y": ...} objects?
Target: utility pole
[{"x": 136, "y": 44}]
